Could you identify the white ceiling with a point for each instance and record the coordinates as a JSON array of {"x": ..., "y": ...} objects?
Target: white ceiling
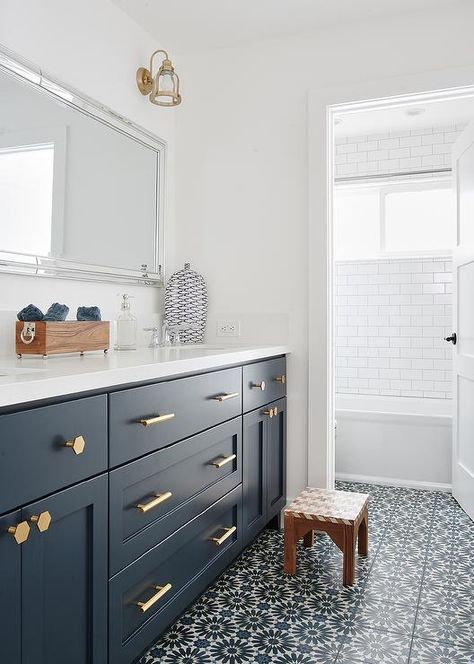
[
  {"x": 187, "y": 26},
  {"x": 436, "y": 114}
]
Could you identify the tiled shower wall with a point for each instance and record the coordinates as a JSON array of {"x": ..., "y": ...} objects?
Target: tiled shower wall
[
  {"x": 418, "y": 149},
  {"x": 391, "y": 319}
]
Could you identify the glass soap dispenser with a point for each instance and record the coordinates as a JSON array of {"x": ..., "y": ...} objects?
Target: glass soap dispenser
[{"x": 125, "y": 326}]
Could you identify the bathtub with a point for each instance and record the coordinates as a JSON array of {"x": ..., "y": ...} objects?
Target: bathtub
[{"x": 394, "y": 440}]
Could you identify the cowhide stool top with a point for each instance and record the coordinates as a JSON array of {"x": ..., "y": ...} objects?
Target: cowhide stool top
[{"x": 326, "y": 505}]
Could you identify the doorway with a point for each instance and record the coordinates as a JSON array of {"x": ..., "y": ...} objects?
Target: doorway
[{"x": 344, "y": 107}]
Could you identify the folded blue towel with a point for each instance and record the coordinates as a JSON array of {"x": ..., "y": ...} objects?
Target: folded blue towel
[
  {"x": 30, "y": 313},
  {"x": 57, "y": 312},
  {"x": 88, "y": 313}
]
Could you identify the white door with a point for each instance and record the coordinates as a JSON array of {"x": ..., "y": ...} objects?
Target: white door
[{"x": 463, "y": 298}]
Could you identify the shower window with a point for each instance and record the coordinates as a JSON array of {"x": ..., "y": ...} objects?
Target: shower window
[
  {"x": 419, "y": 220},
  {"x": 376, "y": 220},
  {"x": 357, "y": 224}
]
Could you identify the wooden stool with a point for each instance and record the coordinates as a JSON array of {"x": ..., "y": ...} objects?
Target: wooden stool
[{"x": 341, "y": 514}]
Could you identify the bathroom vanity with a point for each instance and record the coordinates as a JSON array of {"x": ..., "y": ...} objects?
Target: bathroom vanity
[{"x": 127, "y": 485}]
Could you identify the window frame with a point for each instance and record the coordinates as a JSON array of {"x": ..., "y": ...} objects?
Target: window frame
[{"x": 385, "y": 187}]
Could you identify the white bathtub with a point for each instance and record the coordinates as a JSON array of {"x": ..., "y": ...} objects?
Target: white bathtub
[{"x": 391, "y": 440}]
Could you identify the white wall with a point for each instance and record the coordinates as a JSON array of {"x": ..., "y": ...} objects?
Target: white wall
[
  {"x": 94, "y": 47},
  {"x": 242, "y": 179}
]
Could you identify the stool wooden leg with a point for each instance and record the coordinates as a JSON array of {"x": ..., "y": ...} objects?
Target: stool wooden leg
[
  {"x": 308, "y": 539},
  {"x": 290, "y": 545},
  {"x": 363, "y": 538},
  {"x": 349, "y": 556}
]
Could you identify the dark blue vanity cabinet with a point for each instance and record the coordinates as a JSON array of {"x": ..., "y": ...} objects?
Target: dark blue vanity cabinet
[
  {"x": 10, "y": 589},
  {"x": 118, "y": 509},
  {"x": 275, "y": 471},
  {"x": 264, "y": 458},
  {"x": 53, "y": 596},
  {"x": 64, "y": 577}
]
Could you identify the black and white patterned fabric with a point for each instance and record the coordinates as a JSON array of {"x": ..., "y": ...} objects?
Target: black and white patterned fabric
[
  {"x": 186, "y": 304},
  {"x": 413, "y": 600}
]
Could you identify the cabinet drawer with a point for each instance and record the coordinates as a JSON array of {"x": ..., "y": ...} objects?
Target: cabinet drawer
[
  {"x": 143, "y": 419},
  {"x": 152, "y": 497},
  {"x": 182, "y": 566},
  {"x": 263, "y": 382},
  {"x": 34, "y": 458}
]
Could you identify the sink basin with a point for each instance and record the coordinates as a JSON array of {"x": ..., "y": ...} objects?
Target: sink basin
[
  {"x": 16, "y": 371},
  {"x": 201, "y": 347}
]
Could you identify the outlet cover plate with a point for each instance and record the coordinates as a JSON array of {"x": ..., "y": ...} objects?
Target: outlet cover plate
[{"x": 228, "y": 328}]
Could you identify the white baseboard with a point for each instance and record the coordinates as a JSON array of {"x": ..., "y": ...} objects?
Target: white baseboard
[{"x": 394, "y": 481}]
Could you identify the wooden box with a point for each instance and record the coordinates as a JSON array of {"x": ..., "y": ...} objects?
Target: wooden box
[{"x": 54, "y": 337}]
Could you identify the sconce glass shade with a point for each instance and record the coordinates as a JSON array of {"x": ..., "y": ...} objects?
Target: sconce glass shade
[
  {"x": 166, "y": 86},
  {"x": 163, "y": 89}
]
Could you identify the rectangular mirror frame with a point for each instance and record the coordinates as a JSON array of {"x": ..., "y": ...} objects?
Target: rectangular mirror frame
[{"x": 44, "y": 266}]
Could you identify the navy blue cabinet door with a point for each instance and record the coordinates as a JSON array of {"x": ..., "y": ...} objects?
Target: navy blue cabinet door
[
  {"x": 10, "y": 591},
  {"x": 64, "y": 582},
  {"x": 264, "y": 467},
  {"x": 276, "y": 459},
  {"x": 254, "y": 475}
]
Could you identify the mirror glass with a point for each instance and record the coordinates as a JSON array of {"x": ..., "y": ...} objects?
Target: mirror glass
[{"x": 74, "y": 186}]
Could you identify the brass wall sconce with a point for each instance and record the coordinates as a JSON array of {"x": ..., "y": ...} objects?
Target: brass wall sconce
[{"x": 162, "y": 87}]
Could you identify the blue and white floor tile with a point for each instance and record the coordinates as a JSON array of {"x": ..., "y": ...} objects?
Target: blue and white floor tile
[{"x": 413, "y": 601}]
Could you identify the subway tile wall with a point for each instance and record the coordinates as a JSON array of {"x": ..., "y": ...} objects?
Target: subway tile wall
[
  {"x": 405, "y": 151},
  {"x": 391, "y": 318}
]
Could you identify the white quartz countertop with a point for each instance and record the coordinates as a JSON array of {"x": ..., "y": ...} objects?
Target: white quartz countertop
[{"x": 35, "y": 378}]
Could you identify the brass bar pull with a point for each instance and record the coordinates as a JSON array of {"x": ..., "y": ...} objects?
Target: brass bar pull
[
  {"x": 77, "y": 444},
  {"x": 270, "y": 412},
  {"x": 220, "y": 540},
  {"x": 218, "y": 463},
  {"x": 225, "y": 397},
  {"x": 162, "y": 590},
  {"x": 259, "y": 386},
  {"x": 275, "y": 411},
  {"x": 157, "y": 500},
  {"x": 20, "y": 532},
  {"x": 280, "y": 379},
  {"x": 42, "y": 521},
  {"x": 156, "y": 420}
]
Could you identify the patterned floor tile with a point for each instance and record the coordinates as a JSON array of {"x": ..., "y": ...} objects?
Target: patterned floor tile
[
  {"x": 439, "y": 626},
  {"x": 385, "y": 616},
  {"x": 398, "y": 568},
  {"x": 373, "y": 646},
  {"x": 436, "y": 652},
  {"x": 420, "y": 565},
  {"x": 449, "y": 576},
  {"x": 448, "y": 599},
  {"x": 392, "y": 589}
]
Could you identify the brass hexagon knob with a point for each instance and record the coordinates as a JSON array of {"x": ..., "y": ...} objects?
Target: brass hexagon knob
[
  {"x": 43, "y": 521},
  {"x": 20, "y": 532},
  {"x": 77, "y": 444}
]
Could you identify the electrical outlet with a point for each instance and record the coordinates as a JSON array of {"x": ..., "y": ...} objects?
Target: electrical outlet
[{"x": 228, "y": 328}]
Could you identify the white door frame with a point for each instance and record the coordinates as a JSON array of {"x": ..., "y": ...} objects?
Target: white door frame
[{"x": 322, "y": 105}]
